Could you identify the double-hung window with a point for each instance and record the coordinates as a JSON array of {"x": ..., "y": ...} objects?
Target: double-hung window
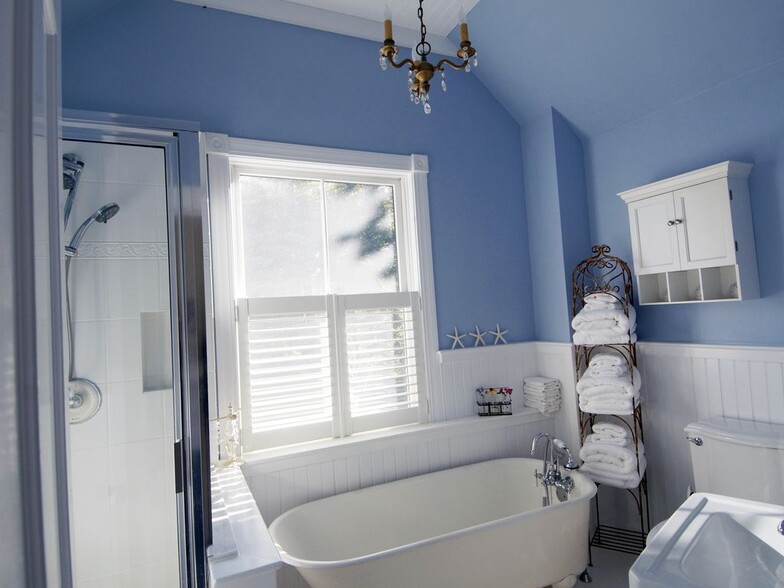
[{"x": 329, "y": 337}]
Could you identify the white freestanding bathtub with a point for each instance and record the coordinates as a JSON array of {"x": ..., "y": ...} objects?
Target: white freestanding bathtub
[{"x": 471, "y": 526}]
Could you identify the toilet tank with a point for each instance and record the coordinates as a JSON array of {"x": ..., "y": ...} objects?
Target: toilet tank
[{"x": 738, "y": 458}]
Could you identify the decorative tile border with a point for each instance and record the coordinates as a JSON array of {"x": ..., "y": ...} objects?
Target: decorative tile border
[{"x": 96, "y": 250}]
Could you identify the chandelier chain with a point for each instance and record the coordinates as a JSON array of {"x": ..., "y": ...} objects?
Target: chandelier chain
[{"x": 423, "y": 47}]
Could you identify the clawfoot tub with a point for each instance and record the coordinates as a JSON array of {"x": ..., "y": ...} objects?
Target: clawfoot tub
[{"x": 476, "y": 525}]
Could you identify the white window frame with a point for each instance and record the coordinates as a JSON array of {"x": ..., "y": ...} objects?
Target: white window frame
[{"x": 225, "y": 153}]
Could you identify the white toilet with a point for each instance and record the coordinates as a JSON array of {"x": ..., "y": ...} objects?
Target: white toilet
[{"x": 736, "y": 458}]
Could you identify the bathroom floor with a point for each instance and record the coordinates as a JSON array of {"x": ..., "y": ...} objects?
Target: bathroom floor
[{"x": 610, "y": 569}]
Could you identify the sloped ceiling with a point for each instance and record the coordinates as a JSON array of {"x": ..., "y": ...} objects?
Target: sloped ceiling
[{"x": 602, "y": 63}]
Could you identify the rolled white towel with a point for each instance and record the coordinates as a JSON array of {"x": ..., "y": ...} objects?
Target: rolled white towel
[
  {"x": 607, "y": 337},
  {"x": 606, "y": 440},
  {"x": 607, "y": 359},
  {"x": 602, "y": 300},
  {"x": 613, "y": 319},
  {"x": 609, "y": 371},
  {"x": 610, "y": 429},
  {"x": 615, "y": 405},
  {"x": 630, "y": 480},
  {"x": 624, "y": 384},
  {"x": 611, "y": 458}
]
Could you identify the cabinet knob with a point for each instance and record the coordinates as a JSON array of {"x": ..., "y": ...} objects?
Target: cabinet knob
[
  {"x": 670, "y": 223},
  {"x": 678, "y": 221}
]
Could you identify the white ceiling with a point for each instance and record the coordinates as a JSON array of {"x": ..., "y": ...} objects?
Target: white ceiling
[{"x": 358, "y": 18}]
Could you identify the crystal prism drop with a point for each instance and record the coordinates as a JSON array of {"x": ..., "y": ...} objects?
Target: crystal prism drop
[
  {"x": 443, "y": 85},
  {"x": 427, "y": 108},
  {"x": 411, "y": 95},
  {"x": 382, "y": 61},
  {"x": 416, "y": 99},
  {"x": 468, "y": 66},
  {"x": 475, "y": 61}
]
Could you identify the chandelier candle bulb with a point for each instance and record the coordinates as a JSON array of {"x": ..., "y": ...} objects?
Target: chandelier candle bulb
[{"x": 463, "y": 32}]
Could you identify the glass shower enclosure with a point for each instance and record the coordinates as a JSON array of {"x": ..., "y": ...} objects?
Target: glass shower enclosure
[{"x": 132, "y": 201}]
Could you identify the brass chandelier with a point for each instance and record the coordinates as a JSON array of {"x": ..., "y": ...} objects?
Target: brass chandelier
[{"x": 420, "y": 70}]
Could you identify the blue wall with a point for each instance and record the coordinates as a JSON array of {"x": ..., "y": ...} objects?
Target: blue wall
[
  {"x": 741, "y": 120},
  {"x": 557, "y": 206},
  {"x": 259, "y": 79},
  {"x": 544, "y": 231}
]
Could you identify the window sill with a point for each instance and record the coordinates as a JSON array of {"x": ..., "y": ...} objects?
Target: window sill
[{"x": 257, "y": 462}]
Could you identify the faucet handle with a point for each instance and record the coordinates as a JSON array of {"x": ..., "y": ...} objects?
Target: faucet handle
[{"x": 560, "y": 446}]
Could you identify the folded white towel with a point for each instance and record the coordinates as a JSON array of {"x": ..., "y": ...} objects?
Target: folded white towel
[
  {"x": 610, "y": 429},
  {"x": 607, "y": 337},
  {"x": 540, "y": 380},
  {"x": 614, "y": 405},
  {"x": 624, "y": 384},
  {"x": 606, "y": 440},
  {"x": 544, "y": 408},
  {"x": 544, "y": 398},
  {"x": 607, "y": 359},
  {"x": 611, "y": 458},
  {"x": 613, "y": 319},
  {"x": 630, "y": 480}
]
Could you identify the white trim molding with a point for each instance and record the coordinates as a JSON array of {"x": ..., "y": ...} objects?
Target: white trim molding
[
  {"x": 224, "y": 151},
  {"x": 731, "y": 169}
]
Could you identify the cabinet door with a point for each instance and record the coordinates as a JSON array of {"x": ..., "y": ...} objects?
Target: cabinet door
[
  {"x": 705, "y": 227},
  {"x": 654, "y": 236}
]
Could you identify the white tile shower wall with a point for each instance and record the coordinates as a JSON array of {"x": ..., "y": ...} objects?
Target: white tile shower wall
[{"x": 122, "y": 479}]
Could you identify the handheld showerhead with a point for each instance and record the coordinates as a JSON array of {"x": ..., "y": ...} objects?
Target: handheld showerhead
[
  {"x": 102, "y": 215},
  {"x": 72, "y": 170}
]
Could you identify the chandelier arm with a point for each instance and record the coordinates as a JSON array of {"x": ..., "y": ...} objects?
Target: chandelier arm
[
  {"x": 440, "y": 64},
  {"x": 399, "y": 64}
]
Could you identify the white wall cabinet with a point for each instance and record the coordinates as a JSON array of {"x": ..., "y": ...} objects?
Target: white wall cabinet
[{"x": 692, "y": 236}]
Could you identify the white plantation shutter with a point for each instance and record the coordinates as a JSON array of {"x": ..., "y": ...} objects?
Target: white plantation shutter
[
  {"x": 285, "y": 370},
  {"x": 303, "y": 357},
  {"x": 381, "y": 350}
]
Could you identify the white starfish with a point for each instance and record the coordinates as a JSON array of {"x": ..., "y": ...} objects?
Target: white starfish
[
  {"x": 499, "y": 334},
  {"x": 479, "y": 336},
  {"x": 456, "y": 339}
]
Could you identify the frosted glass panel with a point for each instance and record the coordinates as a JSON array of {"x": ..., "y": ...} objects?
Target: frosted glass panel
[
  {"x": 282, "y": 236},
  {"x": 361, "y": 238}
]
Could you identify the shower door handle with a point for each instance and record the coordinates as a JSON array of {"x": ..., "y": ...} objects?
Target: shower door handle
[{"x": 178, "y": 467}]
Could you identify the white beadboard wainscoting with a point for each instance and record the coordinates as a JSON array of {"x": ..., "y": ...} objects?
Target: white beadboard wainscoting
[
  {"x": 684, "y": 383},
  {"x": 681, "y": 383}
]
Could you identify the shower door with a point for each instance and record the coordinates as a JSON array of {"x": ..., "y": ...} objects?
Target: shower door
[{"x": 136, "y": 375}]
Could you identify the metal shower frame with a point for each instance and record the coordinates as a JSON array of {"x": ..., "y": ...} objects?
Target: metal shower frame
[{"x": 186, "y": 190}]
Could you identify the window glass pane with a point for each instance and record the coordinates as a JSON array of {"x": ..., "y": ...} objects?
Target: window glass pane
[
  {"x": 282, "y": 236},
  {"x": 361, "y": 238}
]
